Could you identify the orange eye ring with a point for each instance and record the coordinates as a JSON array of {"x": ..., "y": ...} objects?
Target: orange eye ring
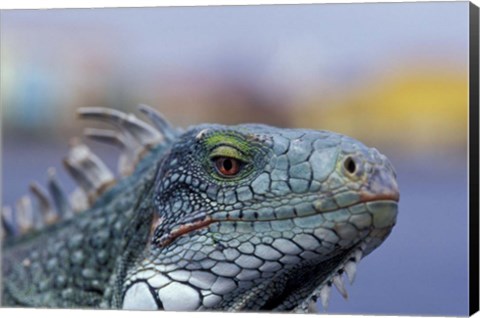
[{"x": 227, "y": 166}]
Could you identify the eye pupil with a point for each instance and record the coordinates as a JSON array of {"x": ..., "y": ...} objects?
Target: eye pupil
[{"x": 227, "y": 166}]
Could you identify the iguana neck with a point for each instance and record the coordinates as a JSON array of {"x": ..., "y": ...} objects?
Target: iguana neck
[{"x": 88, "y": 253}]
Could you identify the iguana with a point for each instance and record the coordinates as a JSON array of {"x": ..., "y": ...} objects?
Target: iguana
[{"x": 234, "y": 218}]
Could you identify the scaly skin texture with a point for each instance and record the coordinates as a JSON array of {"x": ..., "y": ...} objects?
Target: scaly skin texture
[{"x": 302, "y": 207}]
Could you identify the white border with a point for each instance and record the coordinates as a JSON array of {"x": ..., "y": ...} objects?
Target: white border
[{"x": 47, "y": 4}]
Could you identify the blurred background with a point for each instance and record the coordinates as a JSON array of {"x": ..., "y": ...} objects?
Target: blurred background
[{"x": 394, "y": 76}]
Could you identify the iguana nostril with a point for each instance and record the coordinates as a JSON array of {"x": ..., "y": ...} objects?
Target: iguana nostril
[{"x": 350, "y": 165}]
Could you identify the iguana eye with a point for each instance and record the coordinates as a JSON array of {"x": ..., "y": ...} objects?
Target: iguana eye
[{"x": 226, "y": 166}]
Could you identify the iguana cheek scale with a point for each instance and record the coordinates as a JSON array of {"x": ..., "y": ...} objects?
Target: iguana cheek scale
[{"x": 246, "y": 217}]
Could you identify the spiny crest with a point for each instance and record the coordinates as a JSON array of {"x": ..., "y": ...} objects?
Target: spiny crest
[{"x": 133, "y": 136}]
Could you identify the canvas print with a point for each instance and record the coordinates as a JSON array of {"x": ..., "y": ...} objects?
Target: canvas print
[{"x": 276, "y": 158}]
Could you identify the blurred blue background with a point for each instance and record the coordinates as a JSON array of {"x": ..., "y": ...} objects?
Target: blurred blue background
[{"x": 394, "y": 76}]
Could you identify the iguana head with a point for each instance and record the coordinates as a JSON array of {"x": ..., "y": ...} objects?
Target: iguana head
[{"x": 253, "y": 217}]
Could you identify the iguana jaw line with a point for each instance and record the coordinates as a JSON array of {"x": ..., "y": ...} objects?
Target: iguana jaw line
[{"x": 206, "y": 220}]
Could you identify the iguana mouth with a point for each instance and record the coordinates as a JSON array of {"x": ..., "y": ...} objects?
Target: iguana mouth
[
  {"x": 201, "y": 220},
  {"x": 367, "y": 197}
]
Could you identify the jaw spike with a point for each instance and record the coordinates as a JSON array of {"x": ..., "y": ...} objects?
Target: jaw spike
[
  {"x": 325, "y": 295},
  {"x": 60, "y": 200},
  {"x": 126, "y": 161},
  {"x": 338, "y": 282},
  {"x": 88, "y": 170},
  {"x": 25, "y": 215},
  {"x": 157, "y": 119},
  {"x": 358, "y": 255},
  {"x": 128, "y": 123},
  {"x": 351, "y": 271},
  {"x": 49, "y": 215},
  {"x": 9, "y": 225},
  {"x": 312, "y": 307}
]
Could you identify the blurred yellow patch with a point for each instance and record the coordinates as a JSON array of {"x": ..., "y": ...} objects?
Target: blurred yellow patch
[{"x": 420, "y": 109}]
